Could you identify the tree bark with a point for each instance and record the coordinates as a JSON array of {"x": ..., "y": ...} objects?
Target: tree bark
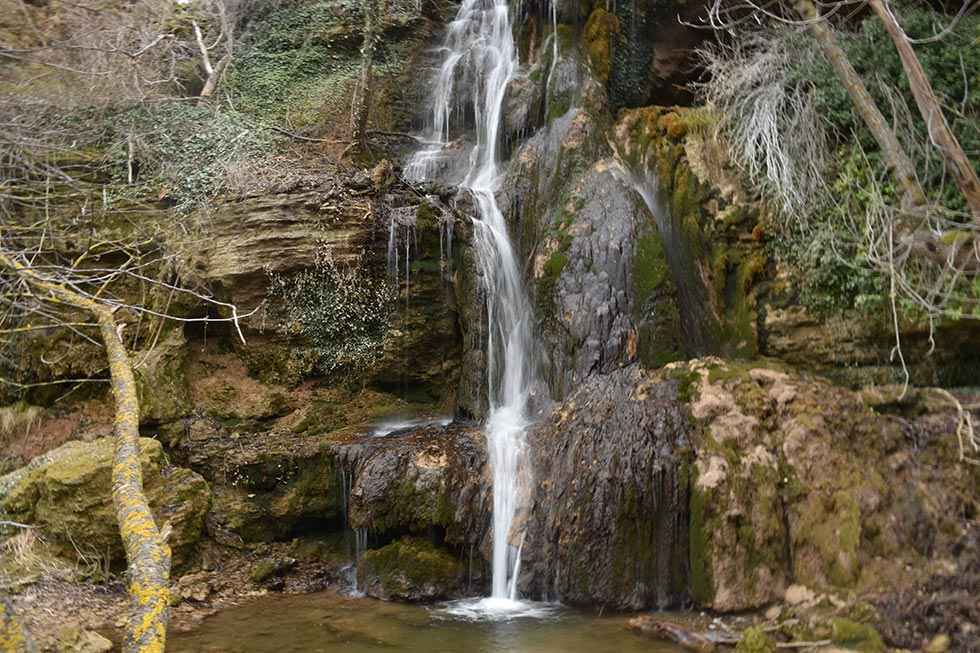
[
  {"x": 939, "y": 131},
  {"x": 362, "y": 98},
  {"x": 896, "y": 158},
  {"x": 147, "y": 554},
  {"x": 14, "y": 637},
  {"x": 215, "y": 72}
]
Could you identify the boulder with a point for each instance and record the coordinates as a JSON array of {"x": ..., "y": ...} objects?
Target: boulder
[
  {"x": 420, "y": 479},
  {"x": 67, "y": 493},
  {"x": 410, "y": 569}
]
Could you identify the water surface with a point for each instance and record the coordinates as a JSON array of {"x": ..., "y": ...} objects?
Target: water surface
[{"x": 330, "y": 623}]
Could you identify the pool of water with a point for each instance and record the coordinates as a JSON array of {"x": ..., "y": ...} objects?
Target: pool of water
[{"x": 327, "y": 622}]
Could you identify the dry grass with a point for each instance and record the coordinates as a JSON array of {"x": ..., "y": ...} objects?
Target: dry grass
[
  {"x": 24, "y": 558},
  {"x": 17, "y": 420}
]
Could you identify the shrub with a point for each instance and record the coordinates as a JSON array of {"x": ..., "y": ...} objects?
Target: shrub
[{"x": 343, "y": 313}]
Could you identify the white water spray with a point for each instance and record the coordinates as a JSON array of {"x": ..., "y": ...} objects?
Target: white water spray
[{"x": 479, "y": 55}]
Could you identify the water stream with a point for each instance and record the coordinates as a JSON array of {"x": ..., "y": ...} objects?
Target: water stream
[{"x": 479, "y": 58}]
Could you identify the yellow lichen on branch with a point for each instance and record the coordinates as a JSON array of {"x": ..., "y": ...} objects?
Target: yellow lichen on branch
[{"x": 147, "y": 554}]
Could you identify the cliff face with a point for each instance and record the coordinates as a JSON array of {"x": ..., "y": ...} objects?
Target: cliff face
[{"x": 661, "y": 477}]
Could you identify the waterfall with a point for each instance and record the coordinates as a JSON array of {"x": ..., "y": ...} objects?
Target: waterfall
[{"x": 479, "y": 57}]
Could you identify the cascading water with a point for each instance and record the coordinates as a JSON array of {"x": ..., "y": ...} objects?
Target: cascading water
[{"x": 479, "y": 56}]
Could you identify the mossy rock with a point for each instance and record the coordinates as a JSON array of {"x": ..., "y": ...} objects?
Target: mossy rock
[
  {"x": 856, "y": 636},
  {"x": 267, "y": 568},
  {"x": 755, "y": 640},
  {"x": 161, "y": 379},
  {"x": 599, "y": 29},
  {"x": 67, "y": 493},
  {"x": 410, "y": 569}
]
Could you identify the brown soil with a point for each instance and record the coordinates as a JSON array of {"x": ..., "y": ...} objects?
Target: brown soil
[{"x": 945, "y": 604}]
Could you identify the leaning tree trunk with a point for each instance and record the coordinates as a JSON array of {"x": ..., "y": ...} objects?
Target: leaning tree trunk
[
  {"x": 939, "y": 131},
  {"x": 147, "y": 553},
  {"x": 895, "y": 156},
  {"x": 14, "y": 637},
  {"x": 362, "y": 97},
  {"x": 214, "y": 72}
]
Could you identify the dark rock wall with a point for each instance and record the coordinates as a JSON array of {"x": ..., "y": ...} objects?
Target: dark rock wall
[{"x": 608, "y": 518}]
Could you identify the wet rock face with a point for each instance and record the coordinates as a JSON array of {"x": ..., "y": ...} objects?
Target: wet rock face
[
  {"x": 67, "y": 493},
  {"x": 651, "y": 52},
  {"x": 423, "y": 479},
  {"x": 592, "y": 321},
  {"x": 576, "y": 222},
  {"x": 607, "y": 519}
]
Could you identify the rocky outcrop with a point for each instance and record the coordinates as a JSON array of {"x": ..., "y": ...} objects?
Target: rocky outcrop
[
  {"x": 738, "y": 300},
  {"x": 432, "y": 477},
  {"x": 727, "y": 483},
  {"x": 581, "y": 247},
  {"x": 607, "y": 518},
  {"x": 67, "y": 494},
  {"x": 796, "y": 480}
]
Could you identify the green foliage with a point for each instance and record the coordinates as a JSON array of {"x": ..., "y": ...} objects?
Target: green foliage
[
  {"x": 182, "y": 150},
  {"x": 829, "y": 245},
  {"x": 856, "y": 636},
  {"x": 755, "y": 640},
  {"x": 952, "y": 65},
  {"x": 291, "y": 48},
  {"x": 344, "y": 314},
  {"x": 302, "y": 61}
]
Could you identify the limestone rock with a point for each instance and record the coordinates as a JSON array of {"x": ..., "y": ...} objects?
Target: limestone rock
[
  {"x": 193, "y": 587},
  {"x": 79, "y": 640},
  {"x": 264, "y": 482},
  {"x": 606, "y": 520},
  {"x": 793, "y": 483},
  {"x": 798, "y": 594},
  {"x": 427, "y": 477}
]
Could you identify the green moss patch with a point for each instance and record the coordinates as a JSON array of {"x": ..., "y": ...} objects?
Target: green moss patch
[{"x": 410, "y": 568}]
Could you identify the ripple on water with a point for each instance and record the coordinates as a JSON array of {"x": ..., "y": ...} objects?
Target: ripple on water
[{"x": 495, "y": 609}]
